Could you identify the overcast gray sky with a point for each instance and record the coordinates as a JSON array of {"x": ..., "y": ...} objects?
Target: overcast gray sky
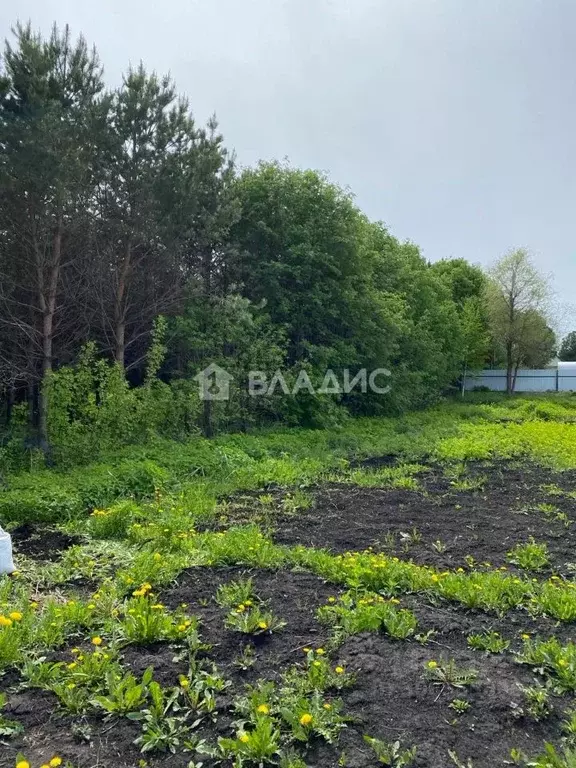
[{"x": 453, "y": 121}]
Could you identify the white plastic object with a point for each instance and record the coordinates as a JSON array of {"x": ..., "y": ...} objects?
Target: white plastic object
[{"x": 6, "y": 561}]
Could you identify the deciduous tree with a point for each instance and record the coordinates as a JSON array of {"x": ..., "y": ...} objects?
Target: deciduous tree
[
  {"x": 517, "y": 297},
  {"x": 568, "y": 348}
]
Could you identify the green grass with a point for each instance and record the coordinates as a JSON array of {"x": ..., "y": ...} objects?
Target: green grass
[{"x": 196, "y": 472}]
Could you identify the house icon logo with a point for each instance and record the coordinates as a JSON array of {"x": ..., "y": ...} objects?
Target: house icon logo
[{"x": 214, "y": 383}]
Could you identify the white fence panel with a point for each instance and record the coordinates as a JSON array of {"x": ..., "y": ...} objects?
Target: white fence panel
[
  {"x": 492, "y": 379},
  {"x": 566, "y": 377},
  {"x": 544, "y": 380},
  {"x": 536, "y": 381}
]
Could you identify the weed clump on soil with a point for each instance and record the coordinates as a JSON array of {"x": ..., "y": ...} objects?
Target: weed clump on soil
[{"x": 532, "y": 556}]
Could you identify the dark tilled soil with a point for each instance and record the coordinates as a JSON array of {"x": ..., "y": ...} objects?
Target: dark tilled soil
[
  {"x": 390, "y": 698},
  {"x": 41, "y": 543},
  {"x": 295, "y": 597},
  {"x": 485, "y": 524},
  {"x": 83, "y": 741}
]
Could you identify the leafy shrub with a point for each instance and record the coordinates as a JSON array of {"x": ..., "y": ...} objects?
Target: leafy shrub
[
  {"x": 105, "y": 483},
  {"x": 491, "y": 642},
  {"x": 391, "y": 753},
  {"x": 448, "y": 673},
  {"x": 113, "y": 523},
  {"x": 555, "y": 661},
  {"x": 49, "y": 497},
  {"x": 370, "y": 613},
  {"x": 39, "y": 503},
  {"x": 554, "y": 759},
  {"x": 531, "y": 556}
]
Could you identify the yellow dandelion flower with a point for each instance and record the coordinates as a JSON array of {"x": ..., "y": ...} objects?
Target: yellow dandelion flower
[
  {"x": 244, "y": 738},
  {"x": 339, "y": 670},
  {"x": 22, "y": 764},
  {"x": 15, "y": 616},
  {"x": 306, "y": 719},
  {"x": 96, "y": 641},
  {"x": 55, "y": 762},
  {"x": 262, "y": 625},
  {"x": 5, "y": 621},
  {"x": 263, "y": 709},
  {"x": 432, "y": 664}
]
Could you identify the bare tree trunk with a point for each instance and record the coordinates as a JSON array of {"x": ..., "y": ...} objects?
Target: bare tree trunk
[
  {"x": 509, "y": 342},
  {"x": 515, "y": 377},
  {"x": 119, "y": 306},
  {"x": 509, "y": 369},
  {"x": 10, "y": 399},
  {"x": 31, "y": 400},
  {"x": 207, "y": 427},
  {"x": 47, "y": 298}
]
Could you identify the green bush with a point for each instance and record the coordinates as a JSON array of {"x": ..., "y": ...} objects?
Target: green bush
[
  {"x": 113, "y": 523},
  {"x": 39, "y": 504},
  {"x": 104, "y": 483},
  {"x": 49, "y": 497}
]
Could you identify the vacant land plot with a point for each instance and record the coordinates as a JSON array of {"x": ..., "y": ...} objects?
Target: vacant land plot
[{"x": 397, "y": 592}]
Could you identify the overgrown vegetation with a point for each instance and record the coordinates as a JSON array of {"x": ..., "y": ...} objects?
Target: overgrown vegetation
[
  {"x": 167, "y": 511},
  {"x": 134, "y": 255}
]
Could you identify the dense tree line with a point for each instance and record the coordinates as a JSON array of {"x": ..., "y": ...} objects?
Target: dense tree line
[
  {"x": 117, "y": 209},
  {"x": 110, "y": 203}
]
